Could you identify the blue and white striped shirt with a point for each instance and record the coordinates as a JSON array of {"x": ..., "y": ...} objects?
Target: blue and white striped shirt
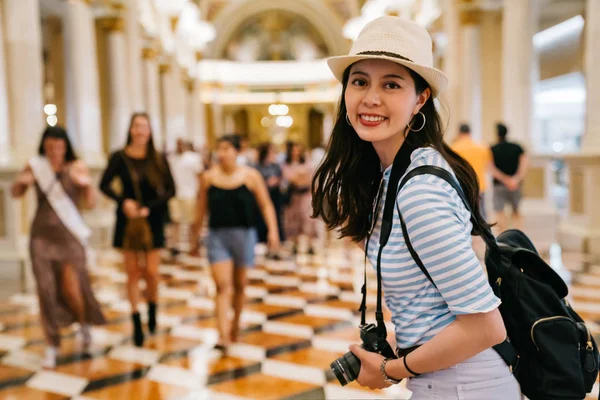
[{"x": 439, "y": 228}]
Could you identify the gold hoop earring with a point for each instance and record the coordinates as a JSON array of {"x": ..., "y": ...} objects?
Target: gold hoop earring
[
  {"x": 422, "y": 126},
  {"x": 348, "y": 120}
]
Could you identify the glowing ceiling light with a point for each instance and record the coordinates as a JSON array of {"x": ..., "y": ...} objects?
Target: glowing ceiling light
[
  {"x": 284, "y": 121},
  {"x": 52, "y": 120},
  {"x": 50, "y": 109}
]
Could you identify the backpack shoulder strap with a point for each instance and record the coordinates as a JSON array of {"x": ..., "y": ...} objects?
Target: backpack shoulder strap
[
  {"x": 505, "y": 349},
  {"x": 486, "y": 233}
]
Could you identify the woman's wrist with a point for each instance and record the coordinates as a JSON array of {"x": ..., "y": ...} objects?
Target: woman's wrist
[{"x": 395, "y": 369}]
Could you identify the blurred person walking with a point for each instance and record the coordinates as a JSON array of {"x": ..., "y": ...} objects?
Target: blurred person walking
[
  {"x": 186, "y": 166},
  {"x": 147, "y": 185},
  {"x": 229, "y": 193},
  {"x": 59, "y": 239},
  {"x": 510, "y": 160}
]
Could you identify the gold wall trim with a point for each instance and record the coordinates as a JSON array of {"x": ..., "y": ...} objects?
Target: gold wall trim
[
  {"x": 149, "y": 53},
  {"x": 164, "y": 68},
  {"x": 113, "y": 24}
]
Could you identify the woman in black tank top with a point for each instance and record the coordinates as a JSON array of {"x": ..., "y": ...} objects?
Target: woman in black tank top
[{"x": 231, "y": 194}]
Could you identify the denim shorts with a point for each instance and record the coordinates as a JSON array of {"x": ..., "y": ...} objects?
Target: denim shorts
[
  {"x": 236, "y": 244},
  {"x": 483, "y": 377}
]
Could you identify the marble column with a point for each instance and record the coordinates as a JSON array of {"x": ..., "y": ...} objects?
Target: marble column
[
  {"x": 591, "y": 138},
  {"x": 134, "y": 47},
  {"x": 217, "y": 115},
  {"x": 83, "y": 93},
  {"x": 185, "y": 95},
  {"x": 5, "y": 152},
  {"x": 190, "y": 123},
  {"x": 151, "y": 94},
  {"x": 519, "y": 22},
  {"x": 471, "y": 72},
  {"x": 180, "y": 101},
  {"x": 452, "y": 68},
  {"x": 24, "y": 67},
  {"x": 198, "y": 130},
  {"x": 169, "y": 105},
  {"x": 199, "y": 127},
  {"x": 120, "y": 106}
]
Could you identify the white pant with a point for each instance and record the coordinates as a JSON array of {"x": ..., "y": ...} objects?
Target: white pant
[{"x": 483, "y": 377}]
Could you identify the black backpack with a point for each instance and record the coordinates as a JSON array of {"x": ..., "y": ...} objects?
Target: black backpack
[{"x": 556, "y": 355}]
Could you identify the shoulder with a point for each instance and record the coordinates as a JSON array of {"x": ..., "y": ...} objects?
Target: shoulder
[
  {"x": 116, "y": 156},
  {"x": 79, "y": 166},
  {"x": 423, "y": 189},
  {"x": 251, "y": 173},
  {"x": 518, "y": 148}
]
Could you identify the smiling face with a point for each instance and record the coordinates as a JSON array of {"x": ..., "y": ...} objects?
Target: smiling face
[{"x": 381, "y": 99}]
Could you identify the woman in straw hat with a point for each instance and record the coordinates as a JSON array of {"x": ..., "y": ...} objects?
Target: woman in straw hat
[{"x": 386, "y": 118}]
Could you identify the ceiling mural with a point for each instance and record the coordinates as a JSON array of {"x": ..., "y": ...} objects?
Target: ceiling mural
[{"x": 275, "y": 35}]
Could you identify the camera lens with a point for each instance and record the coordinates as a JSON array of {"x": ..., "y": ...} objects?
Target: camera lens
[{"x": 346, "y": 368}]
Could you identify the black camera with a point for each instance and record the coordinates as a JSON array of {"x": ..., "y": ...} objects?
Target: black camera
[{"x": 347, "y": 367}]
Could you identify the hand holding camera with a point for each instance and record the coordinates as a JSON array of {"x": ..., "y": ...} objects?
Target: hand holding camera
[{"x": 364, "y": 362}]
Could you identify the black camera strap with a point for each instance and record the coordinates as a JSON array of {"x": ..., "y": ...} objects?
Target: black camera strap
[{"x": 399, "y": 167}]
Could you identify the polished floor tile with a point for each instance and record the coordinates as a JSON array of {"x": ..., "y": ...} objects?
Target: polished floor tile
[
  {"x": 8, "y": 373},
  {"x": 99, "y": 368},
  {"x": 260, "y": 386},
  {"x": 58, "y": 383},
  {"x": 140, "y": 389},
  {"x": 27, "y": 393}
]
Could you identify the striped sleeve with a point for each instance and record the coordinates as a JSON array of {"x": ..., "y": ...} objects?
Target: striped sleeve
[{"x": 442, "y": 239}]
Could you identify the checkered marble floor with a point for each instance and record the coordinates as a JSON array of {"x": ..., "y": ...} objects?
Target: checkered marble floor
[{"x": 300, "y": 315}]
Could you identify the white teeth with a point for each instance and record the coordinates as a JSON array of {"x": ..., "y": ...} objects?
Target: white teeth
[{"x": 370, "y": 118}]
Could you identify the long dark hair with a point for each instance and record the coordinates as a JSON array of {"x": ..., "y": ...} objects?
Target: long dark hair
[
  {"x": 57, "y": 132},
  {"x": 290, "y": 149},
  {"x": 263, "y": 152},
  {"x": 345, "y": 184},
  {"x": 155, "y": 165}
]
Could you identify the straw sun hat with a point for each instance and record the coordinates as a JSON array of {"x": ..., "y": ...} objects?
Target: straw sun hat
[{"x": 398, "y": 40}]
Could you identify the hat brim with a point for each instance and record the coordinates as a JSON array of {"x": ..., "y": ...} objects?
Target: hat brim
[{"x": 437, "y": 80}]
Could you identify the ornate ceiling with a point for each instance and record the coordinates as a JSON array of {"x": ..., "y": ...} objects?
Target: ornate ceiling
[{"x": 343, "y": 9}]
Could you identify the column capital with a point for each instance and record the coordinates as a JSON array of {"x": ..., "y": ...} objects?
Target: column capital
[
  {"x": 164, "y": 68},
  {"x": 118, "y": 5},
  {"x": 174, "y": 22},
  {"x": 470, "y": 17},
  {"x": 189, "y": 84},
  {"x": 113, "y": 24},
  {"x": 149, "y": 53}
]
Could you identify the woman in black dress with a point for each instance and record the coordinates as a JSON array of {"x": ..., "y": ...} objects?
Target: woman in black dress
[{"x": 140, "y": 161}]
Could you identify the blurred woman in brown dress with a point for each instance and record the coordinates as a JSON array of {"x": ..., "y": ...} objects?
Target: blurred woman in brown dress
[{"x": 58, "y": 239}]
